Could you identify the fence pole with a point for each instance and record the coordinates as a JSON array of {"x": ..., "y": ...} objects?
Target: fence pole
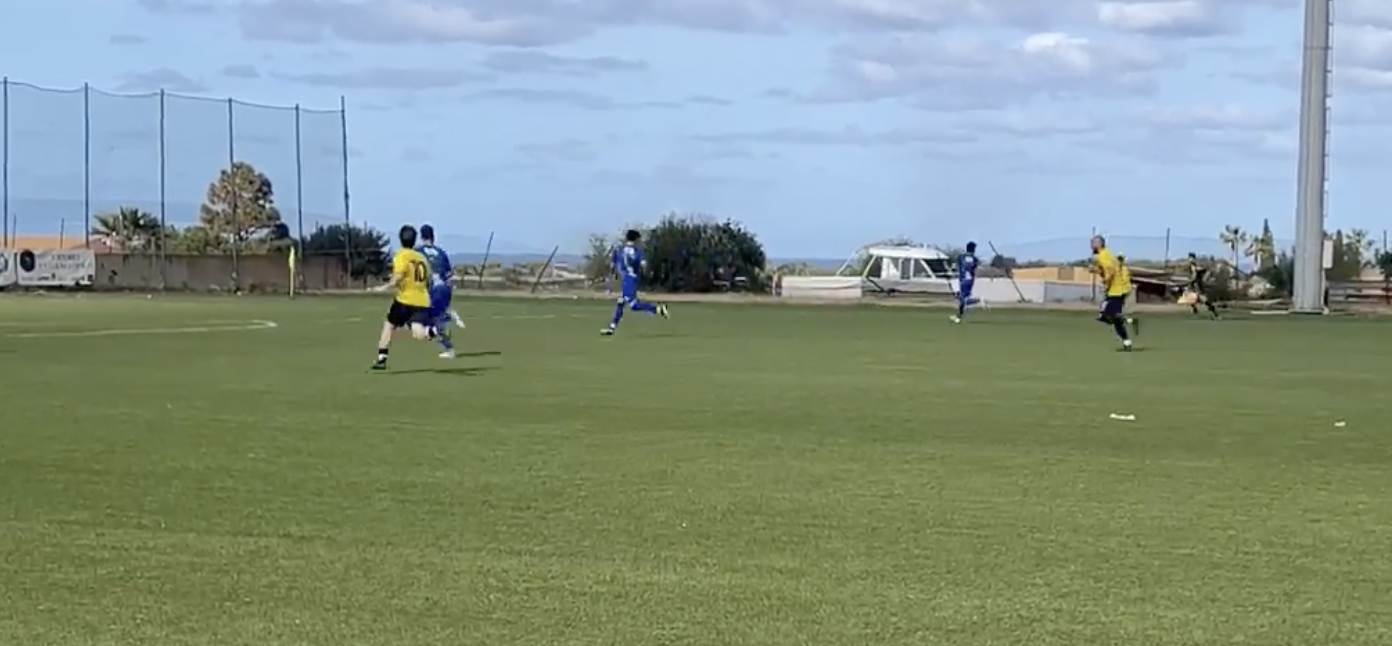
[
  {"x": 1090, "y": 273},
  {"x": 236, "y": 223},
  {"x": 299, "y": 183},
  {"x": 544, "y": 267},
  {"x": 1167, "y": 247},
  {"x": 86, "y": 166},
  {"x": 347, "y": 207},
  {"x": 5, "y": 162},
  {"x": 163, "y": 195},
  {"x": 483, "y": 266}
]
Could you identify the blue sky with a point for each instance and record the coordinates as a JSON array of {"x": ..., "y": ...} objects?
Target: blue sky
[{"x": 821, "y": 124}]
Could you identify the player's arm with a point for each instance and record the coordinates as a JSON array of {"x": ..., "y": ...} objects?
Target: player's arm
[
  {"x": 400, "y": 268},
  {"x": 1108, "y": 271},
  {"x": 447, "y": 267}
]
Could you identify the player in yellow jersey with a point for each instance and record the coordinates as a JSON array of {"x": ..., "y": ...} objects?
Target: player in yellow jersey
[
  {"x": 1116, "y": 280},
  {"x": 410, "y": 277}
]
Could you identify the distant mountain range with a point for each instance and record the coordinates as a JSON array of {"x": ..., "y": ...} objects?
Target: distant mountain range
[
  {"x": 1060, "y": 250},
  {"x": 51, "y": 216}
]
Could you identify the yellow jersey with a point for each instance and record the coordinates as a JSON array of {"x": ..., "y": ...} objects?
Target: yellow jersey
[
  {"x": 1115, "y": 276},
  {"x": 412, "y": 272}
]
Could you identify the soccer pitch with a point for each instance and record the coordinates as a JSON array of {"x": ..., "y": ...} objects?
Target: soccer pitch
[{"x": 738, "y": 475}]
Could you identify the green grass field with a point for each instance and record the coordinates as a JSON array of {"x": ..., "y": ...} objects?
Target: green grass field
[{"x": 738, "y": 475}]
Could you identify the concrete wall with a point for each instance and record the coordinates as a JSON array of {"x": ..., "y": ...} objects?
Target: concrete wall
[
  {"x": 820, "y": 287},
  {"x": 201, "y": 273},
  {"x": 1000, "y": 290},
  {"x": 989, "y": 290}
]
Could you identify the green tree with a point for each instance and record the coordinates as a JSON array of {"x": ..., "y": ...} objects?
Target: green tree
[
  {"x": 1362, "y": 247},
  {"x": 1384, "y": 265},
  {"x": 240, "y": 209},
  {"x": 1262, "y": 248},
  {"x": 1279, "y": 276},
  {"x": 130, "y": 229},
  {"x": 197, "y": 239},
  {"x": 368, "y": 248},
  {"x": 696, "y": 253},
  {"x": 597, "y": 257},
  {"x": 1348, "y": 256}
]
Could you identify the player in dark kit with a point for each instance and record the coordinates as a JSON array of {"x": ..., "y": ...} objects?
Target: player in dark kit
[{"x": 1198, "y": 273}]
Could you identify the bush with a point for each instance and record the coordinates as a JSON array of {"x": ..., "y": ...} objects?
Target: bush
[
  {"x": 692, "y": 254},
  {"x": 1279, "y": 277},
  {"x": 1224, "y": 285}
]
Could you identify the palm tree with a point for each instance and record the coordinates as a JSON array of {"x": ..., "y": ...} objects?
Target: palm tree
[
  {"x": 129, "y": 229},
  {"x": 1234, "y": 237}
]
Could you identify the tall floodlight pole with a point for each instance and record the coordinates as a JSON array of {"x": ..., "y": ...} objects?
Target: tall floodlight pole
[{"x": 1308, "y": 296}]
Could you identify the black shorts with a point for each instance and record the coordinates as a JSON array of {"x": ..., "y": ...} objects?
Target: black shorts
[
  {"x": 1196, "y": 286},
  {"x": 402, "y": 315},
  {"x": 1113, "y": 306}
]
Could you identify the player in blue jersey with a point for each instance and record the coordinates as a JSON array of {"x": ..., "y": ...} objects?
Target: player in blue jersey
[
  {"x": 967, "y": 264},
  {"x": 630, "y": 266},
  {"x": 441, "y": 292}
]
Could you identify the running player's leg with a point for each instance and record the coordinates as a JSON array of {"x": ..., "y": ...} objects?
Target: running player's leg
[
  {"x": 398, "y": 316},
  {"x": 639, "y": 305},
  {"x": 1113, "y": 313},
  {"x": 1203, "y": 298},
  {"x": 964, "y": 299},
  {"x": 439, "y": 318}
]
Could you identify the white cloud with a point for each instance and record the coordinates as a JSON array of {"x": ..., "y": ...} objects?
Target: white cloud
[
  {"x": 1371, "y": 13},
  {"x": 524, "y": 23},
  {"x": 849, "y": 136},
  {"x": 1363, "y": 57},
  {"x": 1028, "y": 124},
  {"x": 1214, "y": 118},
  {"x": 966, "y": 72},
  {"x": 1174, "y": 17},
  {"x": 546, "y": 22}
]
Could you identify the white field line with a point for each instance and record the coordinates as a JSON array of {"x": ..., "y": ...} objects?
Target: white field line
[
  {"x": 231, "y": 326},
  {"x": 214, "y": 326},
  {"x": 501, "y": 317}
]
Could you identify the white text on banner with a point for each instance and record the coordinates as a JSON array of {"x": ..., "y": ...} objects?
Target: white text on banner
[
  {"x": 8, "y": 276},
  {"x": 54, "y": 267}
]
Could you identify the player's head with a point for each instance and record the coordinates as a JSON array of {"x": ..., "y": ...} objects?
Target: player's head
[
  {"x": 1121, "y": 259},
  {"x": 971, "y": 247},
  {"x": 632, "y": 236},
  {"x": 427, "y": 234},
  {"x": 1098, "y": 243},
  {"x": 1193, "y": 256},
  {"x": 407, "y": 237}
]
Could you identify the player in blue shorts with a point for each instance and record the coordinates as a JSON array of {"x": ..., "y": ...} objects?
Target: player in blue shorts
[
  {"x": 441, "y": 292},
  {"x": 967, "y": 264},
  {"x": 631, "y": 263}
]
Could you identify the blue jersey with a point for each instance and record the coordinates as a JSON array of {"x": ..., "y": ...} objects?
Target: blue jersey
[
  {"x": 616, "y": 259},
  {"x": 966, "y": 268},
  {"x": 440, "y": 269},
  {"x": 630, "y": 267},
  {"x": 631, "y": 262}
]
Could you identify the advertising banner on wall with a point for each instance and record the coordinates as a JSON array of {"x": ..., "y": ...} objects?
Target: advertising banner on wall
[
  {"x": 54, "y": 267},
  {"x": 8, "y": 276}
]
